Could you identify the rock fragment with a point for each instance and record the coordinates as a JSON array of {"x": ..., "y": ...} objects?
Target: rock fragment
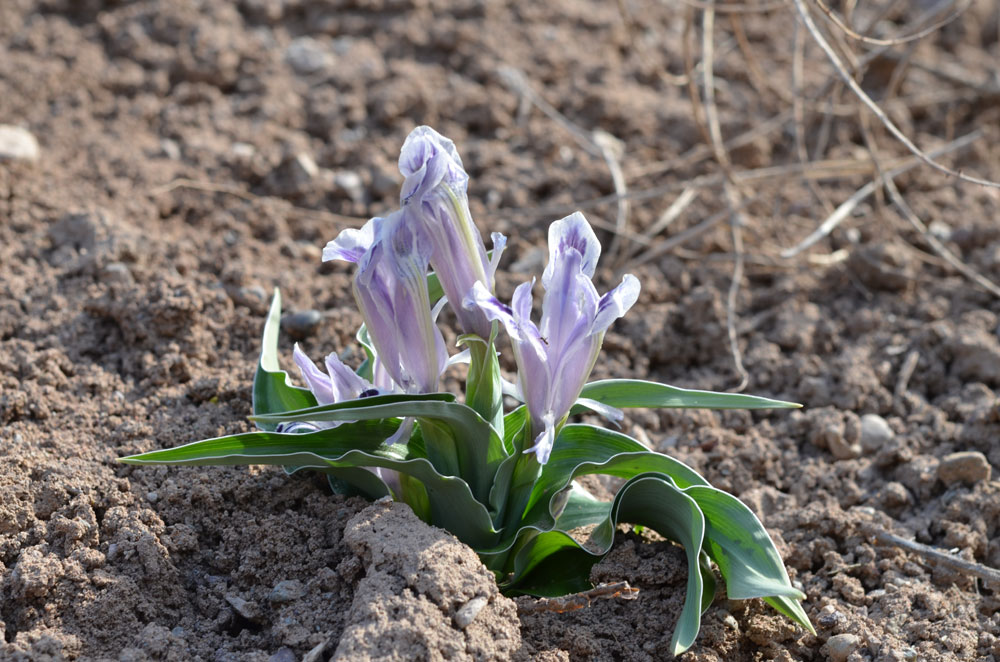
[
  {"x": 302, "y": 324},
  {"x": 288, "y": 590},
  {"x": 969, "y": 467},
  {"x": 840, "y": 646},
  {"x": 308, "y": 56},
  {"x": 875, "y": 432},
  {"x": 17, "y": 144}
]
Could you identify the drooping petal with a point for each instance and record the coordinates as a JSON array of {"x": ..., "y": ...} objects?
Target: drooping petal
[
  {"x": 352, "y": 244},
  {"x": 435, "y": 191},
  {"x": 543, "y": 443},
  {"x": 616, "y": 303},
  {"x": 391, "y": 290},
  {"x": 426, "y": 159},
  {"x": 499, "y": 244},
  {"x": 479, "y": 297}
]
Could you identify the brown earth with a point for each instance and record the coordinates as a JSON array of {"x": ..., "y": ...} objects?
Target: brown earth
[{"x": 131, "y": 304}]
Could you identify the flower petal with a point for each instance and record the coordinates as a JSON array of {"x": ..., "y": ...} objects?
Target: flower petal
[
  {"x": 572, "y": 233},
  {"x": 347, "y": 384},
  {"x": 616, "y": 303},
  {"x": 319, "y": 383},
  {"x": 352, "y": 244}
]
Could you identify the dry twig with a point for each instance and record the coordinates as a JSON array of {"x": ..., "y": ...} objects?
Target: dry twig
[
  {"x": 736, "y": 221},
  {"x": 920, "y": 34},
  {"x": 210, "y": 187},
  {"x": 905, "y": 372},
  {"x": 845, "y": 209},
  {"x": 983, "y": 572},
  {"x": 579, "y": 600},
  {"x": 838, "y": 65}
]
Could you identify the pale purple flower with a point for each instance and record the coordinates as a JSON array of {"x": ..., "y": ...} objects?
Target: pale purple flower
[
  {"x": 390, "y": 287},
  {"x": 337, "y": 384},
  {"x": 436, "y": 189},
  {"x": 555, "y": 358}
]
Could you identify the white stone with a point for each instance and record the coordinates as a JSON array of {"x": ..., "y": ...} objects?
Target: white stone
[{"x": 17, "y": 144}]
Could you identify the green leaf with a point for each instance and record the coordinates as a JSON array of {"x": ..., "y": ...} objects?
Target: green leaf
[
  {"x": 582, "y": 509},
  {"x": 545, "y": 563},
  {"x": 586, "y": 449},
  {"x": 451, "y": 503},
  {"x": 476, "y": 445},
  {"x": 550, "y": 564},
  {"x": 512, "y": 427},
  {"x": 747, "y": 558},
  {"x": 483, "y": 389},
  {"x": 623, "y": 393},
  {"x": 272, "y": 392},
  {"x": 654, "y": 501}
]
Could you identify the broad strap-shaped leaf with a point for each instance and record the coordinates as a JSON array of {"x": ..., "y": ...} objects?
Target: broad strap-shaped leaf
[
  {"x": 476, "y": 446},
  {"x": 624, "y": 393},
  {"x": 586, "y": 449},
  {"x": 451, "y": 502},
  {"x": 582, "y": 509},
  {"x": 272, "y": 392},
  {"x": 544, "y": 562},
  {"x": 747, "y": 558}
]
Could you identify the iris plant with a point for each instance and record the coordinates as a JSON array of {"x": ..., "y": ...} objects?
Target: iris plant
[{"x": 502, "y": 481}]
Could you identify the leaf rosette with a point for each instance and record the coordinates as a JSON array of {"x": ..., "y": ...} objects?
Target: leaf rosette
[{"x": 503, "y": 483}]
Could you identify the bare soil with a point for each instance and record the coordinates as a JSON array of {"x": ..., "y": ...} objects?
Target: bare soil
[{"x": 196, "y": 154}]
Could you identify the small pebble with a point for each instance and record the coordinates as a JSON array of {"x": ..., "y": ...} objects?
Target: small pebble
[
  {"x": 287, "y": 591},
  {"x": 152, "y": 497},
  {"x": 250, "y": 296},
  {"x": 17, "y": 144},
  {"x": 116, "y": 272},
  {"x": 839, "y": 647},
  {"x": 967, "y": 467},
  {"x": 246, "y": 609},
  {"x": 829, "y": 617},
  {"x": 283, "y": 654},
  {"x": 468, "y": 612},
  {"x": 351, "y": 184},
  {"x": 842, "y": 449},
  {"x": 170, "y": 149},
  {"x": 302, "y": 324},
  {"x": 307, "y": 56},
  {"x": 295, "y": 175},
  {"x": 875, "y": 432}
]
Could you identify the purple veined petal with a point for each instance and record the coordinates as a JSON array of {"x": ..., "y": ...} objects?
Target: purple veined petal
[
  {"x": 352, "y": 244},
  {"x": 616, "y": 303},
  {"x": 569, "y": 234},
  {"x": 521, "y": 302},
  {"x": 479, "y": 297},
  {"x": 426, "y": 159},
  {"x": 320, "y": 384},
  {"x": 571, "y": 370},
  {"x": 569, "y": 304},
  {"x": 347, "y": 384},
  {"x": 391, "y": 289}
]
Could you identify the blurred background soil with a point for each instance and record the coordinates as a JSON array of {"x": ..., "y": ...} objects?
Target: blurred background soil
[{"x": 164, "y": 165}]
